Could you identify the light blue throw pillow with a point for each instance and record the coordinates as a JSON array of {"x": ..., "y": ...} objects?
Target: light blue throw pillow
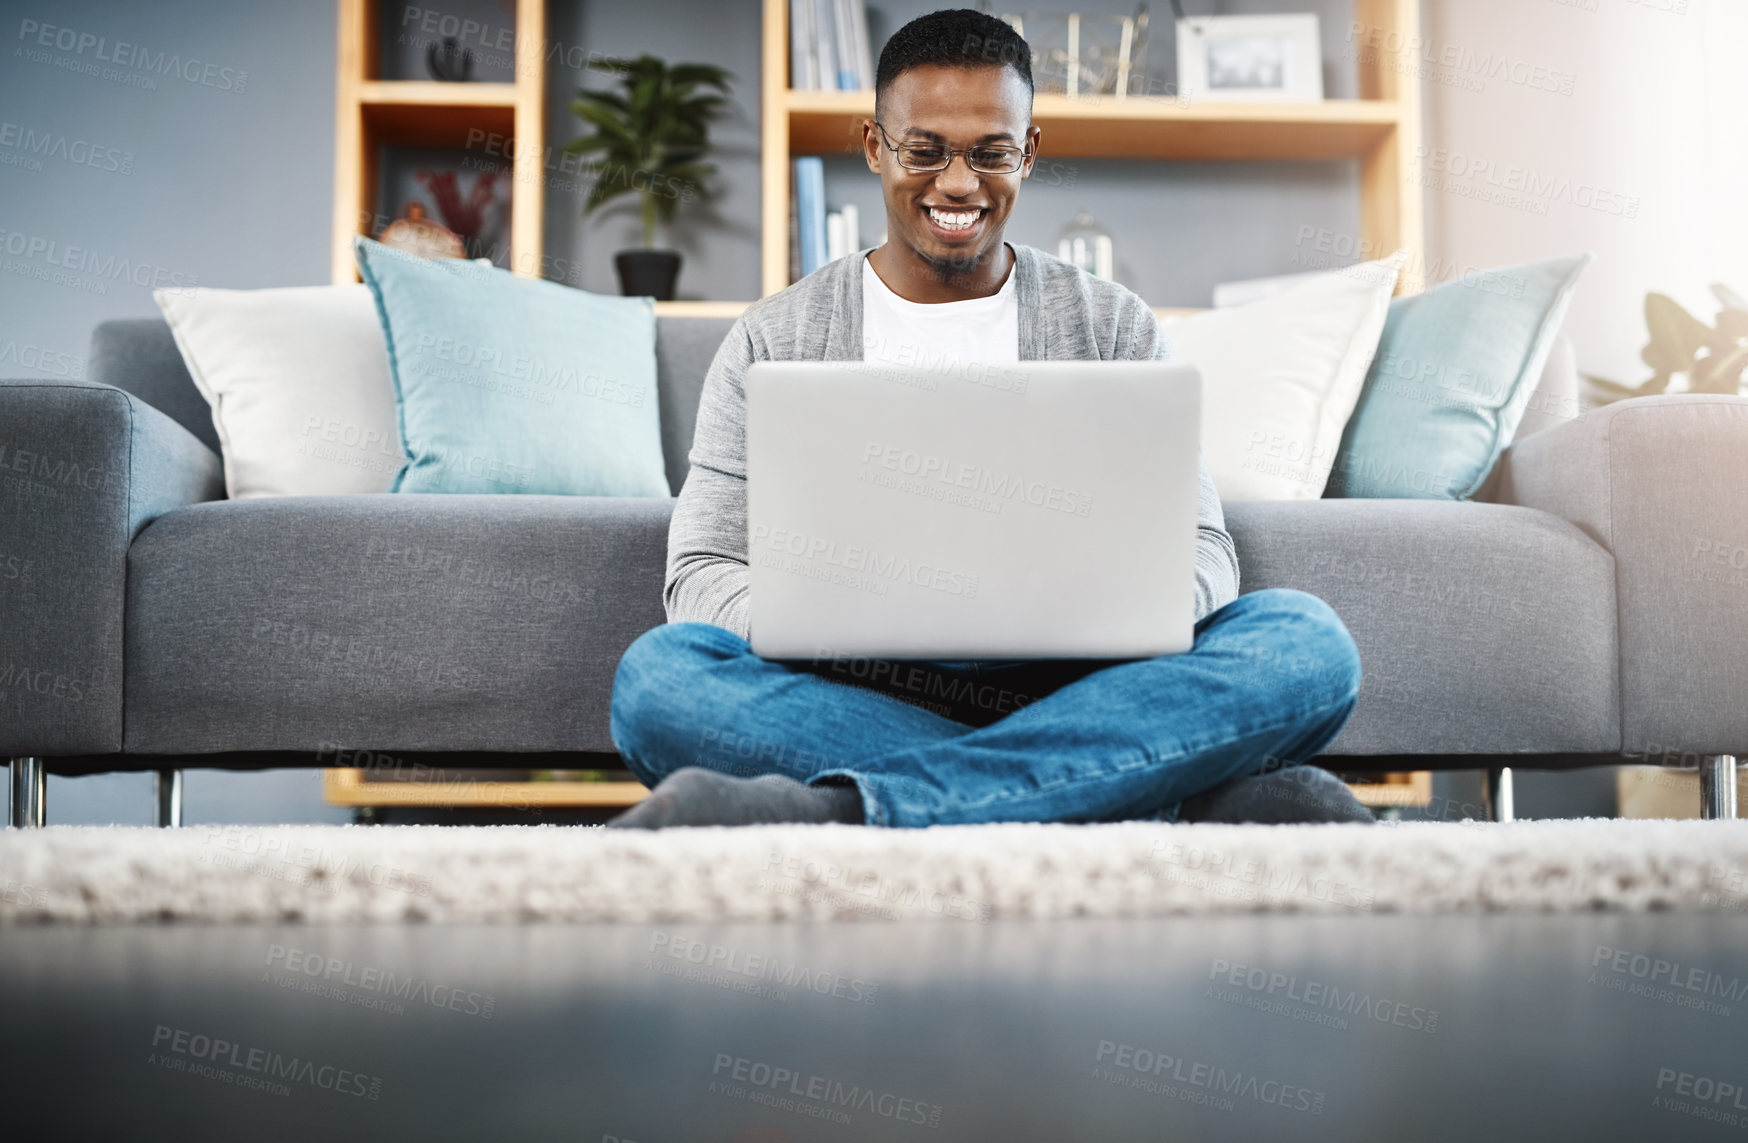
[
  {"x": 1455, "y": 368},
  {"x": 507, "y": 384}
]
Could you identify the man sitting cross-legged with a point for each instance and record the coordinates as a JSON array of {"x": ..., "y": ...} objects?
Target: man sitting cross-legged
[{"x": 726, "y": 737}]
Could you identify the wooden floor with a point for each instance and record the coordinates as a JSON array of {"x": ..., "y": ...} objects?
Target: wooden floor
[{"x": 1244, "y": 1028}]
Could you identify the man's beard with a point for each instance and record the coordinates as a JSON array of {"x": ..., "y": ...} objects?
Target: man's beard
[{"x": 956, "y": 267}]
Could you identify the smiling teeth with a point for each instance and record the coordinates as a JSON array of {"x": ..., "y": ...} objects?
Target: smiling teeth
[{"x": 954, "y": 220}]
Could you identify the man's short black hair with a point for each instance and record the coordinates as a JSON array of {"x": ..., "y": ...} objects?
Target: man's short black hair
[{"x": 953, "y": 37}]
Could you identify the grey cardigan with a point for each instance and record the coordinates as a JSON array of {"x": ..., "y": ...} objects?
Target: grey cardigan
[{"x": 1066, "y": 314}]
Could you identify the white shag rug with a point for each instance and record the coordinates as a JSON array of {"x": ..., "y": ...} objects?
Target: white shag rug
[{"x": 85, "y": 875}]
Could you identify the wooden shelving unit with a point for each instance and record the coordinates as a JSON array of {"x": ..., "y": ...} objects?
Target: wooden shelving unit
[
  {"x": 351, "y": 788},
  {"x": 1401, "y": 790},
  {"x": 371, "y": 112},
  {"x": 341, "y": 787},
  {"x": 1381, "y": 129}
]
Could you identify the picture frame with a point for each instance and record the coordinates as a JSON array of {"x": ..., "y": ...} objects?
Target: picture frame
[{"x": 1250, "y": 59}]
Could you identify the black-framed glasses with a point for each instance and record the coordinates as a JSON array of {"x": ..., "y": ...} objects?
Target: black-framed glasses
[{"x": 985, "y": 158}]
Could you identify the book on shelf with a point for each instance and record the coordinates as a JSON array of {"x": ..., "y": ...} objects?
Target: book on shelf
[
  {"x": 803, "y": 64},
  {"x": 828, "y": 46},
  {"x": 794, "y": 238},
  {"x": 810, "y": 212},
  {"x": 842, "y": 233}
]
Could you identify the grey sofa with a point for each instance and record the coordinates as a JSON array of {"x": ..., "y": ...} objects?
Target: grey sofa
[{"x": 1592, "y": 611}]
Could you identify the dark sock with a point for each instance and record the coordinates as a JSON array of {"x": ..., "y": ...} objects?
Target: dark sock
[
  {"x": 699, "y": 797},
  {"x": 1296, "y": 794}
]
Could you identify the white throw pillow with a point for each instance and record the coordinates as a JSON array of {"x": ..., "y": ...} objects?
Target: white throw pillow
[
  {"x": 1557, "y": 398},
  {"x": 299, "y": 386},
  {"x": 1281, "y": 377}
]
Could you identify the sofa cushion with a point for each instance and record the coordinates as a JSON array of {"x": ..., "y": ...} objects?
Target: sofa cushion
[
  {"x": 447, "y": 623},
  {"x": 298, "y": 382},
  {"x": 1482, "y": 628},
  {"x": 508, "y": 384},
  {"x": 1454, "y": 373},
  {"x": 481, "y": 623},
  {"x": 1280, "y": 376}
]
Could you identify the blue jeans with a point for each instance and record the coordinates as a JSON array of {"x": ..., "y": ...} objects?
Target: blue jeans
[{"x": 1270, "y": 681}]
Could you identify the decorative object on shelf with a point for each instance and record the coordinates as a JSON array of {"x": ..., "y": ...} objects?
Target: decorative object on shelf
[
  {"x": 650, "y": 140},
  {"x": 416, "y": 234},
  {"x": 478, "y": 220},
  {"x": 378, "y": 147},
  {"x": 828, "y": 46},
  {"x": 1078, "y": 54},
  {"x": 1713, "y": 360},
  {"x": 1258, "y": 59},
  {"x": 449, "y": 62},
  {"x": 1088, "y": 245}
]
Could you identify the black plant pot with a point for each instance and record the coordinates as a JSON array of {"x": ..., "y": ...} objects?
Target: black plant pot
[{"x": 648, "y": 273}]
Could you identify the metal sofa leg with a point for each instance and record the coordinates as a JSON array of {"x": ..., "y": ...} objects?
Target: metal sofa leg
[
  {"x": 167, "y": 794},
  {"x": 30, "y": 785},
  {"x": 1717, "y": 786},
  {"x": 1501, "y": 805}
]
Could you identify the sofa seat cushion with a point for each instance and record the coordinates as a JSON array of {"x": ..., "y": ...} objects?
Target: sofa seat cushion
[
  {"x": 495, "y": 623},
  {"x": 1482, "y": 628},
  {"x": 443, "y": 623}
]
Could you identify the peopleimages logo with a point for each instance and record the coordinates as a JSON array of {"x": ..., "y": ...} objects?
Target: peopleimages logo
[
  {"x": 824, "y": 1094},
  {"x": 79, "y": 152},
  {"x": 511, "y": 365},
  {"x": 761, "y": 967},
  {"x": 42, "y": 360},
  {"x": 865, "y": 561},
  {"x": 54, "y": 470},
  {"x": 179, "y": 1045},
  {"x": 1687, "y": 977},
  {"x": 83, "y": 260},
  {"x": 36, "y": 36},
  {"x": 1463, "y": 61},
  {"x": 975, "y": 479},
  {"x": 1715, "y": 1100},
  {"x": 1131, "y": 1066},
  {"x": 330, "y": 977},
  {"x": 1533, "y": 185},
  {"x": 1317, "y": 994}
]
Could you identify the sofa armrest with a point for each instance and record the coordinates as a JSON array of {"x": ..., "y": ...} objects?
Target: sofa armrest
[
  {"x": 83, "y": 467},
  {"x": 1662, "y": 483}
]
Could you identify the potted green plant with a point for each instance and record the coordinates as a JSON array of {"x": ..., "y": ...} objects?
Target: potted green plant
[
  {"x": 649, "y": 140},
  {"x": 1714, "y": 360}
]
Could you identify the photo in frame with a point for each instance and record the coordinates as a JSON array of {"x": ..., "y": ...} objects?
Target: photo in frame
[{"x": 1258, "y": 59}]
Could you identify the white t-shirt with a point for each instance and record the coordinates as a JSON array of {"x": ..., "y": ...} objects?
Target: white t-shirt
[{"x": 938, "y": 335}]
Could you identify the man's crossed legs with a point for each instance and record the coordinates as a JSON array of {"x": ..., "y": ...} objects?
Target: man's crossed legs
[{"x": 1270, "y": 681}]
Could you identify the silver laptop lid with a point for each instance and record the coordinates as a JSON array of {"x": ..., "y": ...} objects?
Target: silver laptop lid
[{"x": 1032, "y": 509}]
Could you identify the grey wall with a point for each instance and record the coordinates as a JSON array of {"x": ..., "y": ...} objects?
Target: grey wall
[{"x": 213, "y": 186}]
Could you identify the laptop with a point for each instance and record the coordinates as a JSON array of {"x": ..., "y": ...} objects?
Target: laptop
[{"x": 1005, "y": 511}]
